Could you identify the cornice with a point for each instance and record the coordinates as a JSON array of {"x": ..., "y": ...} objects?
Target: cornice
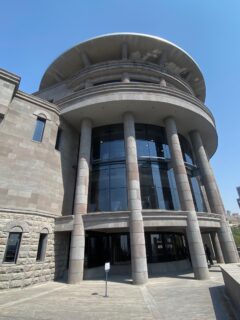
[
  {"x": 10, "y": 77},
  {"x": 37, "y": 101},
  {"x": 129, "y": 87},
  {"x": 28, "y": 212}
]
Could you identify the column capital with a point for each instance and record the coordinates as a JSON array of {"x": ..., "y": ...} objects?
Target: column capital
[
  {"x": 170, "y": 121},
  {"x": 128, "y": 116},
  {"x": 86, "y": 122}
]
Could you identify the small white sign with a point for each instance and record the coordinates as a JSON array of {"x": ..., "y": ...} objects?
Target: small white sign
[{"x": 107, "y": 266}]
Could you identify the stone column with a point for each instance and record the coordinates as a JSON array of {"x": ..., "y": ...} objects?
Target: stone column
[
  {"x": 225, "y": 235},
  {"x": 137, "y": 238},
  {"x": 195, "y": 243},
  {"x": 217, "y": 247},
  {"x": 77, "y": 247}
]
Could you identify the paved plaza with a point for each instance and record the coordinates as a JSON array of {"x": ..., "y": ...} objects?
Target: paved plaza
[{"x": 167, "y": 297}]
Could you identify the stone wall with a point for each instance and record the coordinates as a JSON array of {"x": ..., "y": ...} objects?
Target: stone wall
[
  {"x": 26, "y": 271},
  {"x": 31, "y": 175},
  {"x": 61, "y": 248},
  {"x": 69, "y": 157}
]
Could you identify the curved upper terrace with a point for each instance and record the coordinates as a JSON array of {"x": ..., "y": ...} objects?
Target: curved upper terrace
[{"x": 144, "y": 51}]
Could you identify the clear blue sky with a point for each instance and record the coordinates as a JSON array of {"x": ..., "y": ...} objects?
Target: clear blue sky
[{"x": 34, "y": 33}]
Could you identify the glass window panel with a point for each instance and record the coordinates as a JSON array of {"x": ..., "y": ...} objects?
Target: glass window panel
[
  {"x": 39, "y": 129},
  {"x": 157, "y": 248},
  {"x": 116, "y": 149},
  {"x": 104, "y": 150},
  {"x": 186, "y": 149},
  {"x": 197, "y": 195},
  {"x": 102, "y": 203},
  {"x": 118, "y": 199},
  {"x": 12, "y": 247},
  {"x": 101, "y": 177},
  {"x": 117, "y": 176},
  {"x": 170, "y": 248},
  {"x": 121, "y": 249},
  {"x": 42, "y": 246},
  {"x": 142, "y": 148},
  {"x": 173, "y": 190}
]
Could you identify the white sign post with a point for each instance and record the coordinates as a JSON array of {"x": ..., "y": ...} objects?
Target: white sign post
[{"x": 106, "y": 268}]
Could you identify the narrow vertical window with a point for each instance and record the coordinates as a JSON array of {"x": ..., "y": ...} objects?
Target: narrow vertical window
[
  {"x": 12, "y": 248},
  {"x": 39, "y": 129},
  {"x": 42, "y": 246},
  {"x": 58, "y": 139},
  {"x": 1, "y": 117}
]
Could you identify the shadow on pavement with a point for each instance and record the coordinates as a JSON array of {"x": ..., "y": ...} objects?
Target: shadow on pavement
[{"x": 222, "y": 306}]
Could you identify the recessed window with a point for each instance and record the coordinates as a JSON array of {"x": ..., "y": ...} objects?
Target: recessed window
[
  {"x": 58, "y": 139},
  {"x": 39, "y": 129},
  {"x": 42, "y": 246},
  {"x": 12, "y": 248},
  {"x": 1, "y": 117}
]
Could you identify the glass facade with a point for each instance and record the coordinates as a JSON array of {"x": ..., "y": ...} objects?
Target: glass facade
[
  {"x": 163, "y": 247},
  {"x": 192, "y": 177},
  {"x": 103, "y": 247},
  {"x": 158, "y": 186},
  {"x": 115, "y": 248},
  {"x": 108, "y": 181}
]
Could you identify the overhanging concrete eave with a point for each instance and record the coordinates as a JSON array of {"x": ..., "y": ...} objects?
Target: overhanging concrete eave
[
  {"x": 107, "y": 107},
  {"x": 152, "y": 219}
]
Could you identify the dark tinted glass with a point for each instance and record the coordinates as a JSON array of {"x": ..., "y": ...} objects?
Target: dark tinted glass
[
  {"x": 58, "y": 139},
  {"x": 151, "y": 141},
  {"x": 39, "y": 129},
  {"x": 186, "y": 150},
  {"x": 42, "y": 245},
  {"x": 156, "y": 191},
  {"x": 107, "y": 189},
  {"x": 165, "y": 247},
  {"x": 12, "y": 248},
  {"x": 197, "y": 194},
  {"x": 108, "y": 143}
]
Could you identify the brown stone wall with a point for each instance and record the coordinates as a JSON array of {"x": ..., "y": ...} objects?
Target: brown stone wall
[
  {"x": 27, "y": 271},
  {"x": 69, "y": 158},
  {"x": 61, "y": 248},
  {"x": 31, "y": 174}
]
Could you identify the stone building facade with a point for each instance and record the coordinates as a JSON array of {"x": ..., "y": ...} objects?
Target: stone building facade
[{"x": 109, "y": 161}]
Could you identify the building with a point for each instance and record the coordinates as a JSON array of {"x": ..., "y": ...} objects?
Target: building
[
  {"x": 108, "y": 161},
  {"x": 238, "y": 200}
]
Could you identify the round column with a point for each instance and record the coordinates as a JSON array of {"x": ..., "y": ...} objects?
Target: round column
[
  {"x": 217, "y": 247},
  {"x": 137, "y": 238},
  {"x": 77, "y": 247},
  {"x": 196, "y": 248},
  {"x": 225, "y": 235}
]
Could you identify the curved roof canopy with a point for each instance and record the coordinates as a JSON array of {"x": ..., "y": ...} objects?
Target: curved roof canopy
[{"x": 132, "y": 46}]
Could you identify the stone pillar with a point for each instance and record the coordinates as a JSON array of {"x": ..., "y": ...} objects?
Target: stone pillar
[
  {"x": 77, "y": 247},
  {"x": 137, "y": 238},
  {"x": 225, "y": 235},
  {"x": 217, "y": 247},
  {"x": 195, "y": 243}
]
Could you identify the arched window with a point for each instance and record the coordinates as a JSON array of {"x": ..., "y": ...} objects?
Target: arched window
[
  {"x": 13, "y": 245},
  {"x": 39, "y": 129}
]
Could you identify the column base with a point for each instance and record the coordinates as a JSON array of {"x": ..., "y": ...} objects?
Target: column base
[
  {"x": 75, "y": 273},
  {"x": 140, "y": 278}
]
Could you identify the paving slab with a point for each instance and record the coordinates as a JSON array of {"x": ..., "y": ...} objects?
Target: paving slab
[{"x": 168, "y": 297}]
